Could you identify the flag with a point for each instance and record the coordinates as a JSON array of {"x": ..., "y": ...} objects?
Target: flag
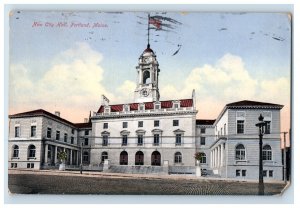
[{"x": 155, "y": 22}]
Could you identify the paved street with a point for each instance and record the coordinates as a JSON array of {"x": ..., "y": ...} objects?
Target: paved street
[{"x": 27, "y": 182}]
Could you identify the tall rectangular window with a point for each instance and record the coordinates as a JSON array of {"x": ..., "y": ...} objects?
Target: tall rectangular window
[
  {"x": 202, "y": 140},
  {"x": 271, "y": 173},
  {"x": 140, "y": 124},
  {"x": 65, "y": 137},
  {"x": 72, "y": 140},
  {"x": 72, "y": 131},
  {"x": 240, "y": 126},
  {"x": 178, "y": 139},
  {"x": 175, "y": 122},
  {"x": 86, "y": 132},
  {"x": 105, "y": 125},
  {"x": 243, "y": 172},
  {"x": 57, "y": 135},
  {"x": 49, "y": 131},
  {"x": 105, "y": 140},
  {"x": 156, "y": 123},
  {"x": 268, "y": 128},
  {"x": 156, "y": 140},
  {"x": 33, "y": 131},
  {"x": 140, "y": 140},
  {"x": 86, "y": 141},
  {"x": 237, "y": 173},
  {"x": 124, "y": 140},
  {"x": 125, "y": 124},
  {"x": 17, "y": 131},
  {"x": 202, "y": 130}
]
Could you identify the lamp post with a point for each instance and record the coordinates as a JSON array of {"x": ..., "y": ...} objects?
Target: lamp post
[{"x": 261, "y": 125}]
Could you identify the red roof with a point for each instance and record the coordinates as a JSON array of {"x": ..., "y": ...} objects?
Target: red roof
[{"x": 148, "y": 105}]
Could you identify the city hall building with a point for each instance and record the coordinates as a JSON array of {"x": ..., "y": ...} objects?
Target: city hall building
[{"x": 151, "y": 136}]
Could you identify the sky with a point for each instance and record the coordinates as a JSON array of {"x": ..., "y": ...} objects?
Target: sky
[{"x": 64, "y": 61}]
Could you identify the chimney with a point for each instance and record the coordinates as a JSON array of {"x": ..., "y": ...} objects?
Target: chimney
[
  {"x": 57, "y": 113},
  {"x": 86, "y": 120}
]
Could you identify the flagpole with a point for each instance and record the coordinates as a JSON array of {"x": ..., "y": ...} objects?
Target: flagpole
[{"x": 148, "y": 46}]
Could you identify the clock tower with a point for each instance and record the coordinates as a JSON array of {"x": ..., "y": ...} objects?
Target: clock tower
[{"x": 147, "y": 77}]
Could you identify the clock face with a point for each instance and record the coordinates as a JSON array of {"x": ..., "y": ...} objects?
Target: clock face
[
  {"x": 147, "y": 59},
  {"x": 144, "y": 92}
]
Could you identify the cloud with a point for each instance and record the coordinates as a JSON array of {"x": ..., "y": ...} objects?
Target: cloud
[
  {"x": 125, "y": 92},
  {"x": 228, "y": 81},
  {"x": 72, "y": 84}
]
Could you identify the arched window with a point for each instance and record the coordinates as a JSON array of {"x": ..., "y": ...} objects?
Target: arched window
[
  {"x": 85, "y": 156},
  {"x": 202, "y": 158},
  {"x": 139, "y": 158},
  {"x": 178, "y": 157},
  {"x": 16, "y": 151},
  {"x": 31, "y": 151},
  {"x": 240, "y": 153},
  {"x": 267, "y": 152},
  {"x": 124, "y": 158},
  {"x": 104, "y": 156},
  {"x": 146, "y": 77}
]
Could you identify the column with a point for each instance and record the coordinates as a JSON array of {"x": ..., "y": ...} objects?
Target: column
[
  {"x": 71, "y": 157},
  {"x": 211, "y": 159},
  {"x": 46, "y": 154},
  {"x": 215, "y": 156},
  {"x": 219, "y": 148},
  {"x": 222, "y": 152},
  {"x": 78, "y": 159},
  {"x": 55, "y": 155}
]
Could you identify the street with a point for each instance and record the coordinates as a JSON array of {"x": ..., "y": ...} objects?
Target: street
[{"x": 71, "y": 183}]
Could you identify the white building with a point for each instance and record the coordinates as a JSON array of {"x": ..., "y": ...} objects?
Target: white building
[{"x": 151, "y": 136}]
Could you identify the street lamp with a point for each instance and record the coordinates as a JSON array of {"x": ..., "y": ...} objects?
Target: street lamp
[{"x": 261, "y": 125}]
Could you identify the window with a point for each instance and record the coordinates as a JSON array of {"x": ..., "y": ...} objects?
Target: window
[
  {"x": 156, "y": 123},
  {"x": 13, "y": 165},
  {"x": 17, "y": 131},
  {"x": 271, "y": 173},
  {"x": 156, "y": 140},
  {"x": 85, "y": 157},
  {"x": 141, "y": 107},
  {"x": 243, "y": 172},
  {"x": 105, "y": 125},
  {"x": 49, "y": 132},
  {"x": 175, "y": 122},
  {"x": 140, "y": 140},
  {"x": 157, "y": 106},
  {"x": 72, "y": 140},
  {"x": 268, "y": 128},
  {"x": 202, "y": 140},
  {"x": 125, "y": 124},
  {"x": 178, "y": 157},
  {"x": 225, "y": 129},
  {"x": 267, "y": 152},
  {"x": 202, "y": 130},
  {"x": 104, "y": 156},
  {"x": 65, "y": 137},
  {"x": 86, "y": 132},
  {"x": 126, "y": 108},
  {"x": 16, "y": 151},
  {"x": 265, "y": 173},
  {"x": 105, "y": 140},
  {"x": 31, "y": 151},
  {"x": 240, "y": 152},
  {"x": 202, "y": 158},
  {"x": 30, "y": 165},
  {"x": 240, "y": 126},
  {"x": 178, "y": 139},
  {"x": 140, "y": 124},
  {"x": 57, "y": 135},
  {"x": 237, "y": 173},
  {"x": 221, "y": 131},
  {"x": 86, "y": 141},
  {"x": 124, "y": 140},
  {"x": 176, "y": 105},
  {"x": 73, "y": 131},
  {"x": 33, "y": 131}
]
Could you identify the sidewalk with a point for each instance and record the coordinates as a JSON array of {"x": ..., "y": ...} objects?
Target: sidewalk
[{"x": 137, "y": 176}]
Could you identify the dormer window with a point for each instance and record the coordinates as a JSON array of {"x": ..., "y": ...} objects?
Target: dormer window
[
  {"x": 176, "y": 104},
  {"x": 157, "y": 105},
  {"x": 126, "y": 108},
  {"x": 107, "y": 109},
  {"x": 141, "y": 107}
]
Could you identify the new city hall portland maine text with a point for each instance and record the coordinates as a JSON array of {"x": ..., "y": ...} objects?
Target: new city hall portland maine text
[{"x": 151, "y": 136}]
